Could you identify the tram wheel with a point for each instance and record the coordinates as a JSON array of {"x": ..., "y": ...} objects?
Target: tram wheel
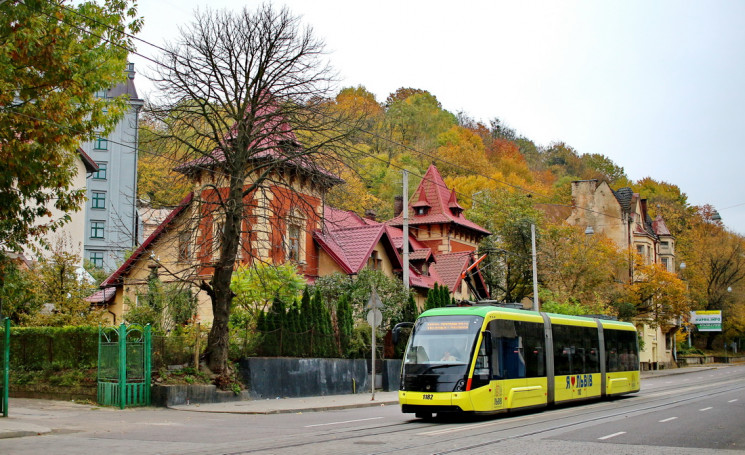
[{"x": 424, "y": 415}]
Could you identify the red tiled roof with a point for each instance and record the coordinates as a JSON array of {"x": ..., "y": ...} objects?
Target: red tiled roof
[
  {"x": 90, "y": 165},
  {"x": 424, "y": 281},
  {"x": 397, "y": 235},
  {"x": 114, "y": 277},
  {"x": 336, "y": 218},
  {"x": 660, "y": 228},
  {"x": 433, "y": 191},
  {"x": 420, "y": 255},
  {"x": 276, "y": 131},
  {"x": 102, "y": 296},
  {"x": 449, "y": 267},
  {"x": 351, "y": 247}
]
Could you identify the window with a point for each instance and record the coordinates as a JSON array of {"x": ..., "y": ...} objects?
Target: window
[
  {"x": 184, "y": 246},
  {"x": 576, "y": 350},
  {"x": 101, "y": 143},
  {"x": 96, "y": 258},
  {"x": 374, "y": 262},
  {"x": 621, "y": 352},
  {"x": 97, "y": 229},
  {"x": 293, "y": 242},
  {"x": 665, "y": 246},
  {"x": 102, "y": 94},
  {"x": 666, "y": 264},
  {"x": 98, "y": 200},
  {"x": 294, "y": 237},
  {"x": 100, "y": 174},
  {"x": 518, "y": 349}
]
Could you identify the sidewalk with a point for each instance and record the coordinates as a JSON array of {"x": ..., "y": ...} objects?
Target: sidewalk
[{"x": 295, "y": 405}]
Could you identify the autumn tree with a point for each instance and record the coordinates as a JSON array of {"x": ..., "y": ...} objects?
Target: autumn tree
[
  {"x": 507, "y": 269},
  {"x": 59, "y": 290},
  {"x": 244, "y": 95},
  {"x": 55, "y": 56},
  {"x": 576, "y": 269},
  {"x": 461, "y": 152},
  {"x": 715, "y": 265},
  {"x": 657, "y": 295},
  {"x": 157, "y": 180},
  {"x": 417, "y": 120}
]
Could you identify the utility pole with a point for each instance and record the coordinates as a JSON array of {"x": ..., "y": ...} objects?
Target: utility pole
[
  {"x": 406, "y": 230},
  {"x": 536, "y": 305}
]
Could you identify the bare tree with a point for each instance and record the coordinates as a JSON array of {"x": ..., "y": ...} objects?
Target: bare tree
[{"x": 241, "y": 91}]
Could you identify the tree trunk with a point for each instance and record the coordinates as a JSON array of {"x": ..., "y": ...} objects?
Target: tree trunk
[{"x": 222, "y": 296}]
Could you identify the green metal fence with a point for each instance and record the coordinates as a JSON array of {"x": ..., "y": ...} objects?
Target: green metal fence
[
  {"x": 5, "y": 365},
  {"x": 124, "y": 365}
]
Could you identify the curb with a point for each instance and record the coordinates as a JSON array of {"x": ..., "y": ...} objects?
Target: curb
[{"x": 287, "y": 411}]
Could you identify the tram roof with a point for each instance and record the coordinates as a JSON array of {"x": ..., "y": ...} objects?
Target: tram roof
[{"x": 484, "y": 310}]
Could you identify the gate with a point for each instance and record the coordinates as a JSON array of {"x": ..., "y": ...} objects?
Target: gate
[
  {"x": 124, "y": 356},
  {"x": 4, "y": 366}
]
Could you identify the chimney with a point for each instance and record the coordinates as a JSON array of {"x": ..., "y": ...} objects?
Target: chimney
[
  {"x": 398, "y": 205},
  {"x": 130, "y": 70},
  {"x": 370, "y": 214}
]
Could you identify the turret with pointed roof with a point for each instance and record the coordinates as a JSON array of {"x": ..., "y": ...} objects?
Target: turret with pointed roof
[{"x": 436, "y": 218}]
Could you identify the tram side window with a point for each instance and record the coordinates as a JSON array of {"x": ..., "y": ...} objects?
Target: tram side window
[
  {"x": 576, "y": 350},
  {"x": 563, "y": 350},
  {"x": 611, "y": 350},
  {"x": 620, "y": 350},
  {"x": 592, "y": 350},
  {"x": 517, "y": 349},
  {"x": 621, "y": 354},
  {"x": 534, "y": 342}
]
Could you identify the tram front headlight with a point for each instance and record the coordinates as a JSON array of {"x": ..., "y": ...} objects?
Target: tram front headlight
[{"x": 460, "y": 386}]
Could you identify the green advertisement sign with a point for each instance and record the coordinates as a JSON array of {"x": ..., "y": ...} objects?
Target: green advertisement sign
[{"x": 707, "y": 321}]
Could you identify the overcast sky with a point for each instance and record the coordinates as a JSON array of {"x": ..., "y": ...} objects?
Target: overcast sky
[{"x": 657, "y": 86}]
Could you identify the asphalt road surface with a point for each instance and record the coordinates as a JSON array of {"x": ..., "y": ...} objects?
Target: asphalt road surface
[{"x": 694, "y": 413}]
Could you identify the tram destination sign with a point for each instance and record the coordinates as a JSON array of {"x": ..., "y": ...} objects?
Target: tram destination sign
[{"x": 707, "y": 321}]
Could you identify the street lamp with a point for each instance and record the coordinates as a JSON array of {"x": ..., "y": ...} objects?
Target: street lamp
[{"x": 682, "y": 268}]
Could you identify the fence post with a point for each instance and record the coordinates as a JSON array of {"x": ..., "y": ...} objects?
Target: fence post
[
  {"x": 148, "y": 366},
  {"x": 122, "y": 366},
  {"x": 6, "y": 367}
]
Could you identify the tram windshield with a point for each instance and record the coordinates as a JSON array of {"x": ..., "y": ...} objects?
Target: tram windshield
[
  {"x": 440, "y": 346},
  {"x": 440, "y": 340}
]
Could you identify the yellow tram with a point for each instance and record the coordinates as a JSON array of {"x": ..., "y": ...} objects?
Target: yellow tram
[{"x": 487, "y": 359}]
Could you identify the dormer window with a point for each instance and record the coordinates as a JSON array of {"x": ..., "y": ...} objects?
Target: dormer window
[
  {"x": 420, "y": 211},
  {"x": 375, "y": 262}
]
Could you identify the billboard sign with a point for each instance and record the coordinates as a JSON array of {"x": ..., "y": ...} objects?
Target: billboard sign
[{"x": 707, "y": 321}]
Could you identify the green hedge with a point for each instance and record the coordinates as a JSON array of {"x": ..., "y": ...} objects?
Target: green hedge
[{"x": 40, "y": 348}]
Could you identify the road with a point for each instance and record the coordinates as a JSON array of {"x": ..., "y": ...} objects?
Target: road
[{"x": 693, "y": 413}]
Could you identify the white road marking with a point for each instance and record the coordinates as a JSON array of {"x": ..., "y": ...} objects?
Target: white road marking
[
  {"x": 668, "y": 419},
  {"x": 705, "y": 409},
  {"x": 732, "y": 401},
  {"x": 612, "y": 435},
  {"x": 339, "y": 423}
]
